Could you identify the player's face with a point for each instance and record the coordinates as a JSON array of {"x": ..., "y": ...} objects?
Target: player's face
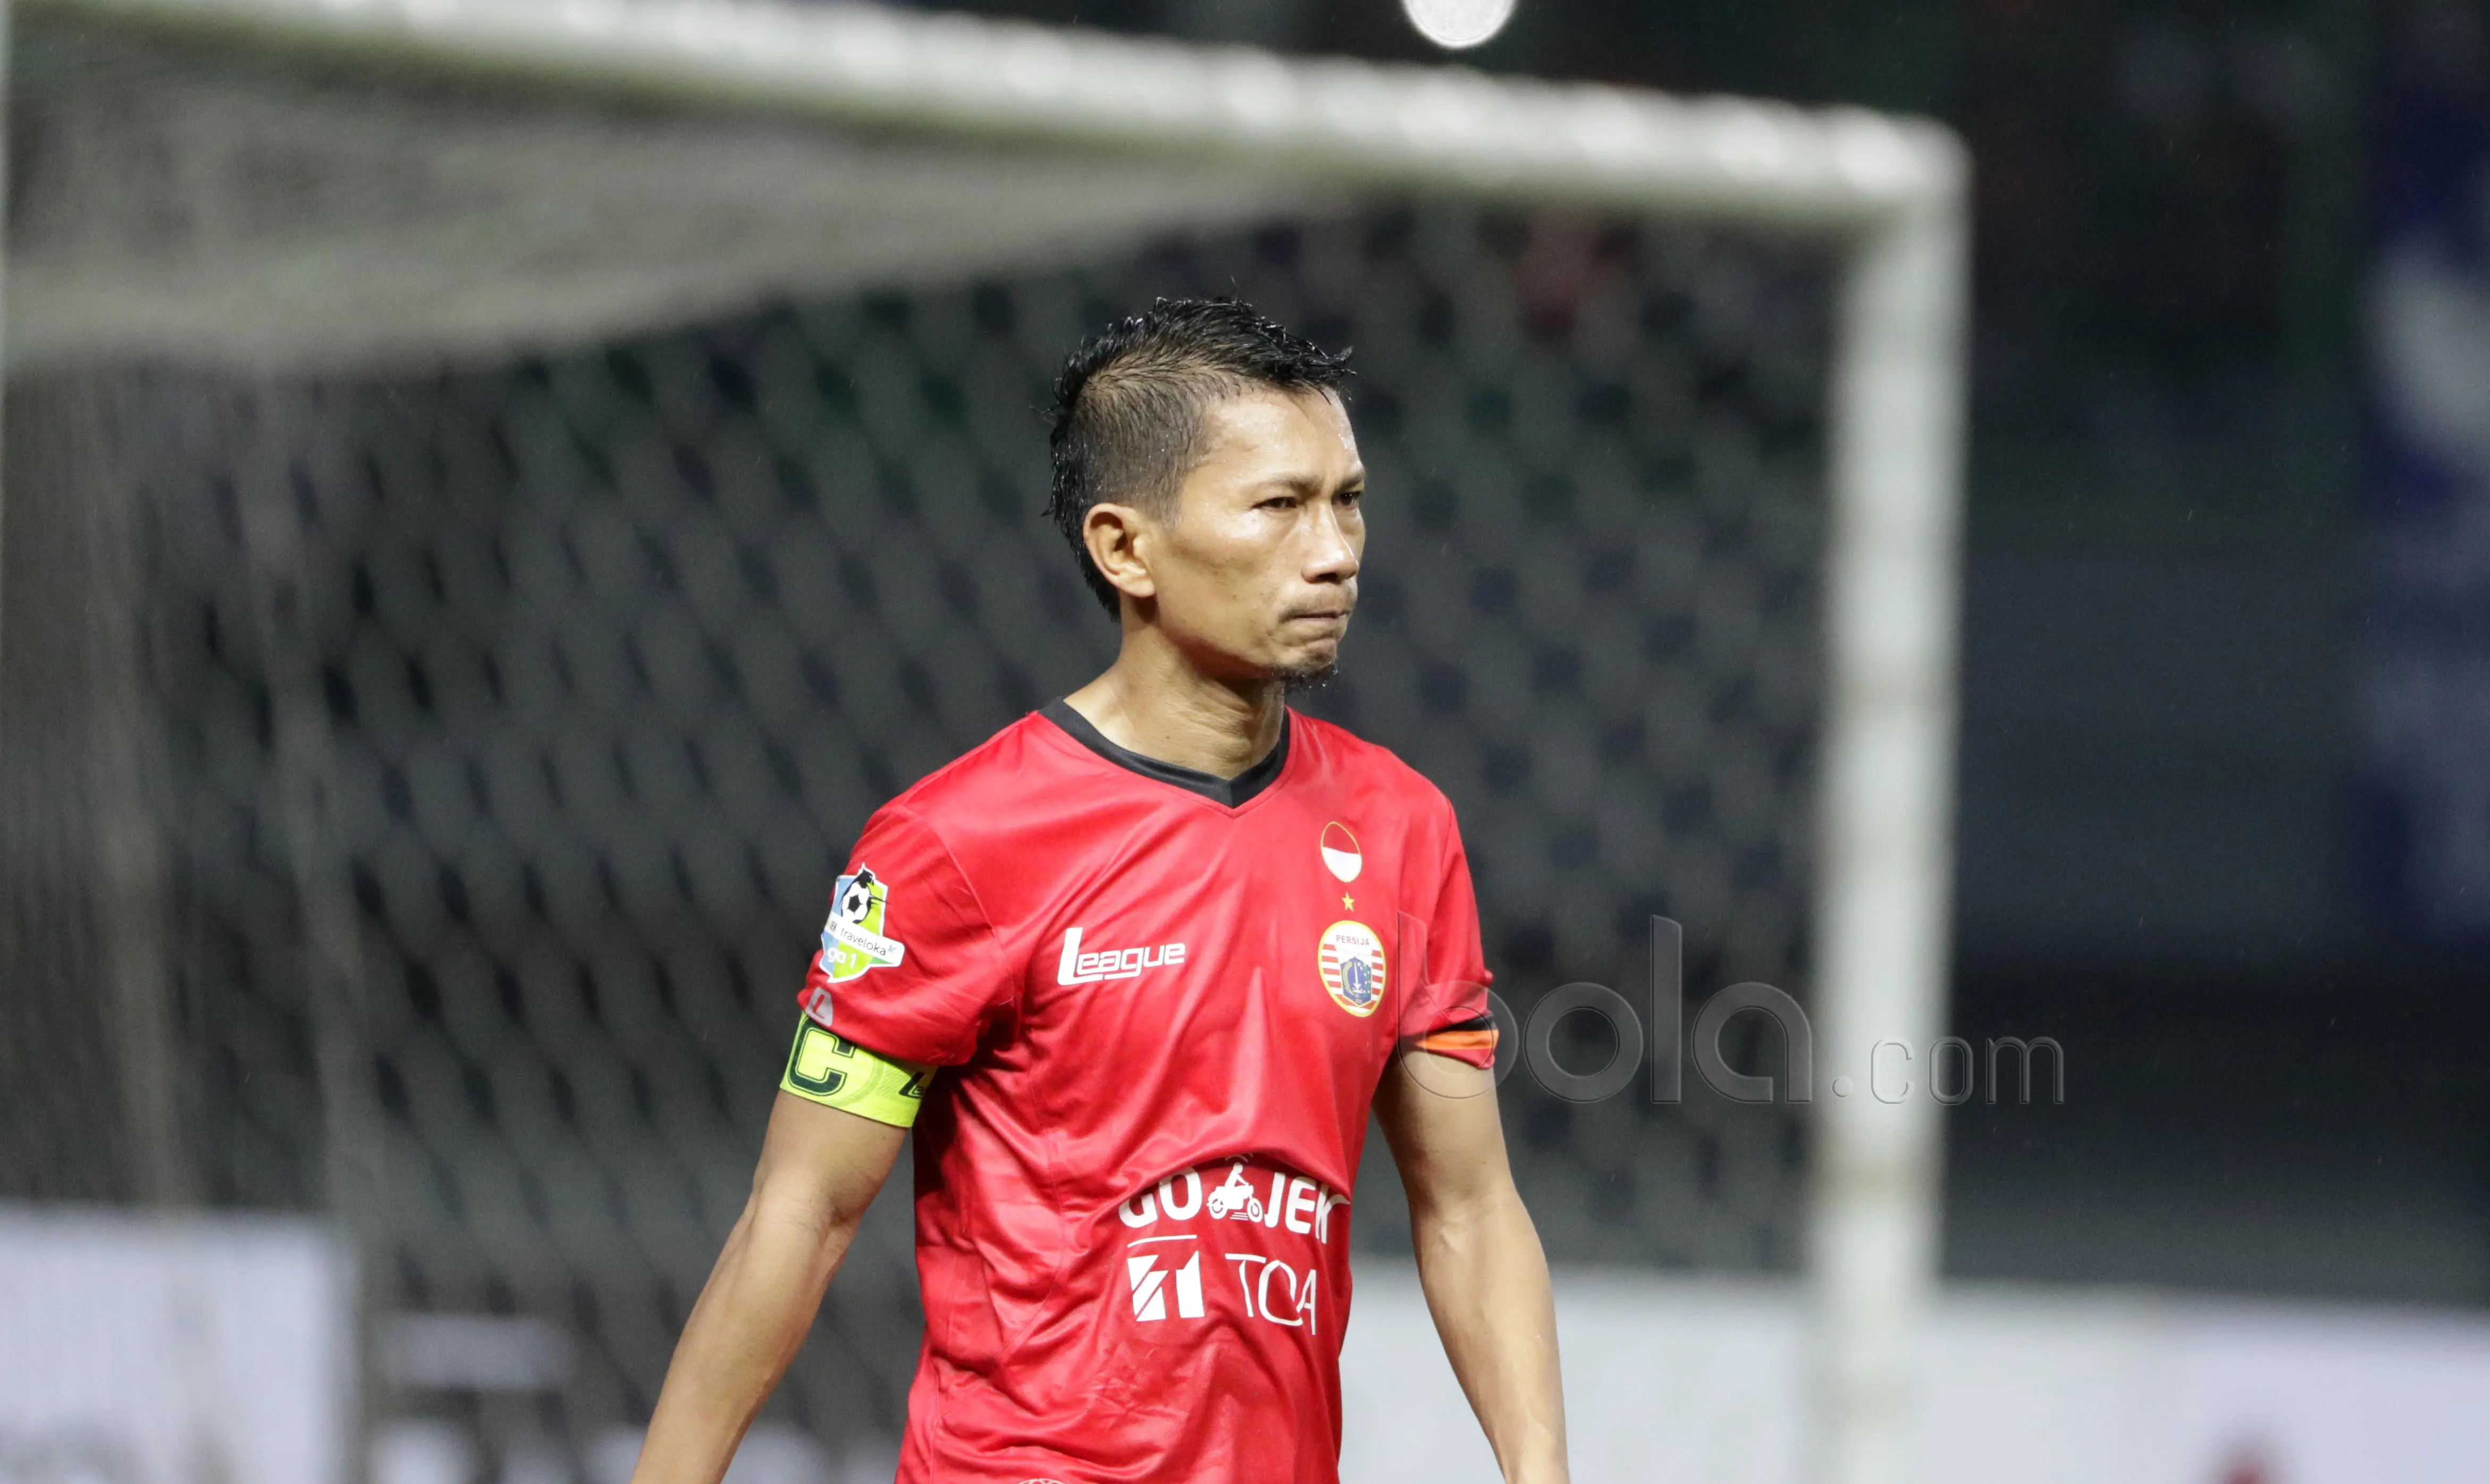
[{"x": 1257, "y": 574}]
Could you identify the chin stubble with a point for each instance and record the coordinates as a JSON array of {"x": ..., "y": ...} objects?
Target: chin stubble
[{"x": 1299, "y": 680}]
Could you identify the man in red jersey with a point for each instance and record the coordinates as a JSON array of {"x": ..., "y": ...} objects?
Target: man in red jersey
[{"x": 1136, "y": 971}]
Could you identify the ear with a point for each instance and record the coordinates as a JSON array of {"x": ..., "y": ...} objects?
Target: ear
[{"x": 1117, "y": 535}]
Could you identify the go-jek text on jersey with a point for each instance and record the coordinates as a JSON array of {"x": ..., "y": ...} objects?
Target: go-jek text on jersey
[{"x": 1159, "y": 1004}]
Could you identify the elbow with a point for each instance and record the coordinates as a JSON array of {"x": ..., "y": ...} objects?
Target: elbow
[
  {"x": 789, "y": 1224},
  {"x": 1470, "y": 1219},
  {"x": 796, "y": 1202}
]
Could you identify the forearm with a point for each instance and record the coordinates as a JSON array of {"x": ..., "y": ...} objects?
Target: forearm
[
  {"x": 1485, "y": 1280},
  {"x": 752, "y": 1318}
]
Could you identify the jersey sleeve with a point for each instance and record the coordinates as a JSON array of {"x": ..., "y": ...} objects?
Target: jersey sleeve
[
  {"x": 908, "y": 966},
  {"x": 1448, "y": 1012}
]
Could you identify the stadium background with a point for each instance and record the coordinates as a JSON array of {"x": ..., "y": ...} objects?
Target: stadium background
[{"x": 2185, "y": 850}]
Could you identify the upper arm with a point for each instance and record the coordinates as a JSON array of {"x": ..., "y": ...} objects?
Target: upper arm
[
  {"x": 1439, "y": 1116},
  {"x": 825, "y": 1162},
  {"x": 1446, "y": 1008},
  {"x": 910, "y": 965},
  {"x": 1436, "y": 1101}
]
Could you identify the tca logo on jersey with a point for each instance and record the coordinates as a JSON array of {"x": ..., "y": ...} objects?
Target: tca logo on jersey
[
  {"x": 852, "y": 940},
  {"x": 1149, "y": 1283},
  {"x": 1353, "y": 967},
  {"x": 1270, "y": 1288}
]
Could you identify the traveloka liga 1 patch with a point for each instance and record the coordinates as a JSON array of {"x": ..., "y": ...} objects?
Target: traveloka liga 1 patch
[{"x": 852, "y": 940}]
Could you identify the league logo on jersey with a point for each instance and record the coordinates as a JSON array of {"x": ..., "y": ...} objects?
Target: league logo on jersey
[
  {"x": 852, "y": 940},
  {"x": 1353, "y": 967}
]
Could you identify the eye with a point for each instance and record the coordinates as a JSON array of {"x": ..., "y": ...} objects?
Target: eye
[{"x": 1278, "y": 503}]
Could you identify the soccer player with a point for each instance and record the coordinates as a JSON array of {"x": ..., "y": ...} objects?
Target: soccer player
[{"x": 1136, "y": 971}]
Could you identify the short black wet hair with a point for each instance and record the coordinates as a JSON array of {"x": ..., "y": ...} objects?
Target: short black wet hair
[{"x": 1128, "y": 408}]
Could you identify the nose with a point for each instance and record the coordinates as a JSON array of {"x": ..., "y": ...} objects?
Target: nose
[{"x": 1331, "y": 556}]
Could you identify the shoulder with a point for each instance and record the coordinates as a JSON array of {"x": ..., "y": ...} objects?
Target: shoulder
[
  {"x": 1014, "y": 798},
  {"x": 980, "y": 786},
  {"x": 1370, "y": 767}
]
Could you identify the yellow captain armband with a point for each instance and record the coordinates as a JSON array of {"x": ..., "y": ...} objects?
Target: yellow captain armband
[{"x": 838, "y": 1073}]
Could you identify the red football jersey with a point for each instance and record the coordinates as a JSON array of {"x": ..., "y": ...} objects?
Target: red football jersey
[{"x": 1162, "y": 1002}]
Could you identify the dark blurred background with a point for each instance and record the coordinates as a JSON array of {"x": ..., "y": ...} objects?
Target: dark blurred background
[{"x": 2204, "y": 840}]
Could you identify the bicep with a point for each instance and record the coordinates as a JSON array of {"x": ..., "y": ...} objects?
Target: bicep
[
  {"x": 1439, "y": 1116},
  {"x": 825, "y": 1162}
]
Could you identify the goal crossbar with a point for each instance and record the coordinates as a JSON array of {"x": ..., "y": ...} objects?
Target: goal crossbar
[{"x": 1360, "y": 123}]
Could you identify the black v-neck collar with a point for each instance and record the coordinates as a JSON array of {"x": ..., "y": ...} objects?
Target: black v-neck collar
[{"x": 1231, "y": 792}]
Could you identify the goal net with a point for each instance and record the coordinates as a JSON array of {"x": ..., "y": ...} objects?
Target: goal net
[{"x": 498, "y": 492}]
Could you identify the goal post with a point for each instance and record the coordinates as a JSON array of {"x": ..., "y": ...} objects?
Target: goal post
[{"x": 752, "y": 154}]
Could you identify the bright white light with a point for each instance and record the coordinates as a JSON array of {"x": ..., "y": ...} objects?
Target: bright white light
[{"x": 1456, "y": 25}]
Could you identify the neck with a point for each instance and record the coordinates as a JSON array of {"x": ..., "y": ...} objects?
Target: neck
[{"x": 1155, "y": 701}]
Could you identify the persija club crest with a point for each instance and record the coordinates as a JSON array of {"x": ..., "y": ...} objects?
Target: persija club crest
[{"x": 1353, "y": 967}]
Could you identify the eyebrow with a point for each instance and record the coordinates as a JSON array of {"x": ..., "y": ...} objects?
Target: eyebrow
[{"x": 1309, "y": 483}]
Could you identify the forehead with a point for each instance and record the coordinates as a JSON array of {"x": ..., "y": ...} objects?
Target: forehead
[{"x": 1284, "y": 433}]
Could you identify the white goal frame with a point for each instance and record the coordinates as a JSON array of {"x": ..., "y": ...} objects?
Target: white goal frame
[{"x": 1888, "y": 196}]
